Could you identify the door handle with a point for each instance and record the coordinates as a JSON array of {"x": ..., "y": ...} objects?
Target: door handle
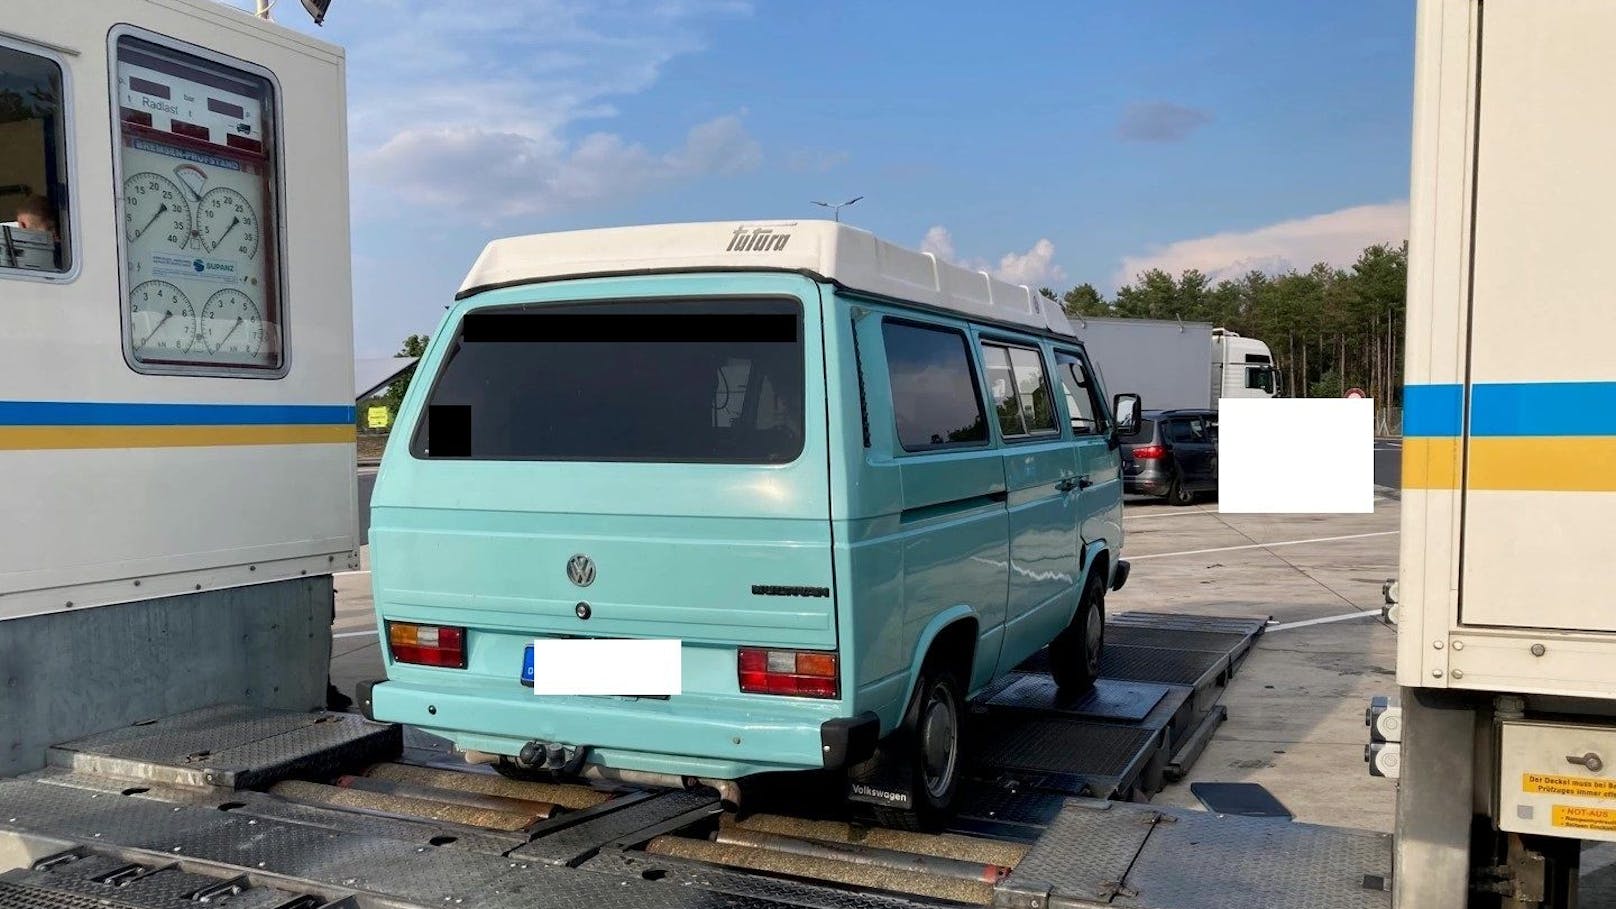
[{"x": 1068, "y": 484}]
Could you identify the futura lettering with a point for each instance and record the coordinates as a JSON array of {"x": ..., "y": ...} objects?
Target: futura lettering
[{"x": 757, "y": 239}]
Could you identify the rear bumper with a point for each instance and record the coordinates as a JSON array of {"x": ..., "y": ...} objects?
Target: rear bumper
[
  {"x": 691, "y": 736},
  {"x": 1151, "y": 481}
]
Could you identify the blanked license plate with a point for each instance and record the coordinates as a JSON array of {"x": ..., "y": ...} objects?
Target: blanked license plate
[{"x": 596, "y": 666}]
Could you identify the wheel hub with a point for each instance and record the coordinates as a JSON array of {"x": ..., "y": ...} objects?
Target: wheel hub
[{"x": 939, "y": 743}]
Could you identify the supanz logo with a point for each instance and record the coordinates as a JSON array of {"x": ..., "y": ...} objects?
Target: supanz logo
[
  {"x": 756, "y": 239},
  {"x": 158, "y": 105},
  {"x": 200, "y": 266}
]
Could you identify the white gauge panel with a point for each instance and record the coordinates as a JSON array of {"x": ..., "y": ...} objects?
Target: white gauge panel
[{"x": 197, "y": 212}]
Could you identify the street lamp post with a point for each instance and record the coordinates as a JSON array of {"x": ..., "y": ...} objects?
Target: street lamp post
[{"x": 836, "y": 209}]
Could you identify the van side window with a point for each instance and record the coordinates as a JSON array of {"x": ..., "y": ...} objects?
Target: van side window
[
  {"x": 1020, "y": 390},
  {"x": 1082, "y": 394},
  {"x": 33, "y": 165},
  {"x": 935, "y": 399}
]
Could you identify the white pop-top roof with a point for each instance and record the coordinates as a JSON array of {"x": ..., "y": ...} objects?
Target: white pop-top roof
[{"x": 850, "y": 257}]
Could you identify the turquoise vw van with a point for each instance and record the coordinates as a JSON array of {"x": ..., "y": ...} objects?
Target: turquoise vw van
[{"x": 696, "y": 502}]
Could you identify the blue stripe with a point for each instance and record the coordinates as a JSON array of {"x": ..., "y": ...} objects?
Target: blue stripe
[
  {"x": 1543, "y": 409},
  {"x": 90, "y": 413},
  {"x": 1512, "y": 409},
  {"x": 1433, "y": 410}
]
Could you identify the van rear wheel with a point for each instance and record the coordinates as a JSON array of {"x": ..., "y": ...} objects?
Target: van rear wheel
[
  {"x": 924, "y": 752},
  {"x": 1074, "y": 655}
]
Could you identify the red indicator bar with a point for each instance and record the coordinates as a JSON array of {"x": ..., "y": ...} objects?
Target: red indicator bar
[
  {"x": 190, "y": 130},
  {"x": 244, "y": 143},
  {"x": 137, "y": 117}
]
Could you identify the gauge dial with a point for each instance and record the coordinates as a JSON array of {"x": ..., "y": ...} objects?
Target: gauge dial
[
  {"x": 232, "y": 326},
  {"x": 155, "y": 211},
  {"x": 162, "y": 321},
  {"x": 227, "y": 224}
]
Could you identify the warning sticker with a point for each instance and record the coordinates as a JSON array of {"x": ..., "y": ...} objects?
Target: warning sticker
[
  {"x": 1585, "y": 818},
  {"x": 1568, "y": 785}
]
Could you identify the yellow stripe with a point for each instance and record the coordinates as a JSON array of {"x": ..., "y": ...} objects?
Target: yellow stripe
[
  {"x": 1527, "y": 463},
  {"x": 35, "y": 438},
  {"x": 1430, "y": 462}
]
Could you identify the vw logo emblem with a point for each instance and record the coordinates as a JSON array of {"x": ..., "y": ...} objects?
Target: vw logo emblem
[{"x": 581, "y": 570}]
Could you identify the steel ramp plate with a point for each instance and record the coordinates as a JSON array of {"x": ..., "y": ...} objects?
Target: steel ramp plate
[
  {"x": 635, "y": 820},
  {"x": 1109, "y": 699},
  {"x": 1138, "y": 857},
  {"x": 232, "y": 746}
]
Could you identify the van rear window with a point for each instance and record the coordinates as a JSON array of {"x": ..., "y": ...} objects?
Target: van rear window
[{"x": 716, "y": 381}]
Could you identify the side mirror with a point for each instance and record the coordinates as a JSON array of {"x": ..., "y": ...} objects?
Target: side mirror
[{"x": 1126, "y": 408}]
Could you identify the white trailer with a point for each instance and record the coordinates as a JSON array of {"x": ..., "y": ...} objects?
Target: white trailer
[
  {"x": 1507, "y": 635},
  {"x": 176, "y": 426},
  {"x": 1173, "y": 365}
]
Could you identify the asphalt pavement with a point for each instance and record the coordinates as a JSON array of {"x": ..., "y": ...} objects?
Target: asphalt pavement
[
  {"x": 367, "y": 482},
  {"x": 1389, "y": 463}
]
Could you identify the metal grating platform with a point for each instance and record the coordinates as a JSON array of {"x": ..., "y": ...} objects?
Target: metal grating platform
[
  {"x": 1109, "y": 699},
  {"x": 1138, "y": 857},
  {"x": 231, "y": 746}
]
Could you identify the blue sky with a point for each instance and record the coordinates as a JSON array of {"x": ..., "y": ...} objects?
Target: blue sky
[{"x": 1051, "y": 142}]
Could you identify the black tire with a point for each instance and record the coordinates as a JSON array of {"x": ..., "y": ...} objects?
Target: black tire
[
  {"x": 1178, "y": 495},
  {"x": 928, "y": 746},
  {"x": 1074, "y": 655}
]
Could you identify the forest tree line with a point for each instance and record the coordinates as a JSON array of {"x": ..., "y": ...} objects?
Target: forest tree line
[{"x": 1330, "y": 328}]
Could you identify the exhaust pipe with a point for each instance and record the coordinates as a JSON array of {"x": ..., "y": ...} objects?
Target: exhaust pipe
[
  {"x": 569, "y": 762},
  {"x": 728, "y": 790}
]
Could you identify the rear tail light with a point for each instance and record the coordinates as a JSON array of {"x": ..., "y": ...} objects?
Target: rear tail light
[
  {"x": 1149, "y": 452},
  {"x": 427, "y": 645},
  {"x": 800, "y": 673}
]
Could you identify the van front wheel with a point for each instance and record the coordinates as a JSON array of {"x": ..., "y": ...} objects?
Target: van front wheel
[{"x": 1074, "y": 655}]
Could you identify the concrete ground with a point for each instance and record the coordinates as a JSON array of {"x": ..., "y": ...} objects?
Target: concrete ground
[{"x": 1296, "y": 708}]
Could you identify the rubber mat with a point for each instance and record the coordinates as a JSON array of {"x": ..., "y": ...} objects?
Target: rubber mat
[{"x": 1243, "y": 799}]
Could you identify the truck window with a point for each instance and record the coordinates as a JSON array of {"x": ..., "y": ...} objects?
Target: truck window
[
  {"x": 935, "y": 398},
  {"x": 1083, "y": 399},
  {"x": 33, "y": 164},
  {"x": 719, "y": 381},
  {"x": 1020, "y": 390},
  {"x": 198, "y": 210},
  {"x": 1260, "y": 377}
]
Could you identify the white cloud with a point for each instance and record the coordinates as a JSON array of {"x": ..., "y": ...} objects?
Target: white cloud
[
  {"x": 1036, "y": 267},
  {"x": 482, "y": 110},
  {"x": 1335, "y": 237},
  {"x": 939, "y": 242},
  {"x": 483, "y": 175}
]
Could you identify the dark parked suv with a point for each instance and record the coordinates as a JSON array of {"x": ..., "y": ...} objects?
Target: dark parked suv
[{"x": 1174, "y": 454}]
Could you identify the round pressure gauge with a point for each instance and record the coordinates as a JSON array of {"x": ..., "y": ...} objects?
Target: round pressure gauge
[
  {"x": 227, "y": 224},
  {"x": 232, "y": 325},
  {"x": 162, "y": 321},
  {"x": 155, "y": 211}
]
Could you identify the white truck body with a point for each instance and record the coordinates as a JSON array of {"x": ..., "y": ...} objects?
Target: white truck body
[
  {"x": 1177, "y": 365},
  {"x": 1507, "y": 635},
  {"x": 227, "y": 464}
]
